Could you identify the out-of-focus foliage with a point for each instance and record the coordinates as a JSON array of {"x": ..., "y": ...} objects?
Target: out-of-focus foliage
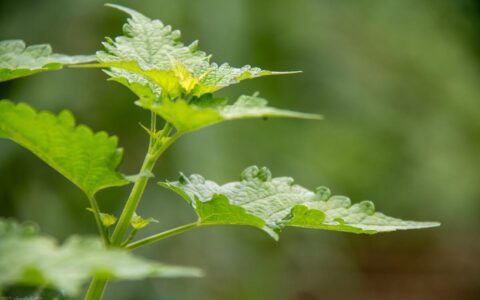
[
  {"x": 17, "y": 60},
  {"x": 30, "y": 259},
  {"x": 398, "y": 84}
]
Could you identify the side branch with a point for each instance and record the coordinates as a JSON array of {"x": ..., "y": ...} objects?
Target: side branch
[{"x": 162, "y": 235}]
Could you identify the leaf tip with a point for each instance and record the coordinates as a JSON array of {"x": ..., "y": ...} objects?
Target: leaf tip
[
  {"x": 316, "y": 117},
  {"x": 272, "y": 233},
  {"x": 286, "y": 72},
  {"x": 127, "y": 10},
  {"x": 431, "y": 224}
]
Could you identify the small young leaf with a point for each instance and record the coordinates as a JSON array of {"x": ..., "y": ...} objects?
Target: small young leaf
[
  {"x": 17, "y": 60},
  {"x": 88, "y": 160},
  {"x": 136, "y": 177},
  {"x": 273, "y": 203},
  {"x": 201, "y": 113},
  {"x": 26, "y": 258},
  {"x": 138, "y": 222},
  {"x": 154, "y": 51},
  {"x": 107, "y": 219}
]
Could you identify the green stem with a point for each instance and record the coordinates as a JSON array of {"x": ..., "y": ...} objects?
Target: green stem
[
  {"x": 133, "y": 199},
  {"x": 132, "y": 203},
  {"x": 130, "y": 237},
  {"x": 156, "y": 148},
  {"x": 96, "y": 289},
  {"x": 162, "y": 235},
  {"x": 153, "y": 127},
  {"x": 98, "y": 220}
]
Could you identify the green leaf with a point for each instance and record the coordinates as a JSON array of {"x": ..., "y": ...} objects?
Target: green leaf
[
  {"x": 17, "y": 60},
  {"x": 206, "y": 111},
  {"x": 29, "y": 259},
  {"x": 108, "y": 220},
  {"x": 154, "y": 51},
  {"x": 271, "y": 204},
  {"x": 87, "y": 159},
  {"x": 138, "y": 222}
]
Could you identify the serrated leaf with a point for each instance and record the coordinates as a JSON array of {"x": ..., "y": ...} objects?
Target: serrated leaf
[
  {"x": 271, "y": 204},
  {"x": 154, "y": 51},
  {"x": 108, "y": 220},
  {"x": 201, "y": 113},
  {"x": 18, "y": 60},
  {"x": 87, "y": 159},
  {"x": 138, "y": 222},
  {"x": 29, "y": 259}
]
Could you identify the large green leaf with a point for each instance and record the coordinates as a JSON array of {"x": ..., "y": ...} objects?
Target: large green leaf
[
  {"x": 154, "y": 51},
  {"x": 88, "y": 159},
  {"x": 29, "y": 259},
  {"x": 206, "y": 111},
  {"x": 17, "y": 60},
  {"x": 273, "y": 203}
]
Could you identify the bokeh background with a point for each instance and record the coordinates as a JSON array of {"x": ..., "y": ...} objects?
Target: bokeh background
[{"x": 399, "y": 85}]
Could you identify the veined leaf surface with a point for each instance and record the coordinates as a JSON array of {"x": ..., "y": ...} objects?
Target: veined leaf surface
[
  {"x": 271, "y": 204},
  {"x": 153, "y": 50},
  {"x": 87, "y": 159}
]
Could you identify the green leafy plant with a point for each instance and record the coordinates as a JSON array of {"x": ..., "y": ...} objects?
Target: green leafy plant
[{"x": 174, "y": 82}]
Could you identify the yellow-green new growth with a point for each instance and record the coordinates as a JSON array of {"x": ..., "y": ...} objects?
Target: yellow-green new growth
[{"x": 166, "y": 66}]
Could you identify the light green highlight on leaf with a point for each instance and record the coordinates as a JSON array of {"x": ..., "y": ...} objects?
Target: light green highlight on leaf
[
  {"x": 107, "y": 219},
  {"x": 206, "y": 111},
  {"x": 219, "y": 211},
  {"x": 87, "y": 159},
  {"x": 18, "y": 60},
  {"x": 138, "y": 222},
  {"x": 271, "y": 204},
  {"x": 26, "y": 258}
]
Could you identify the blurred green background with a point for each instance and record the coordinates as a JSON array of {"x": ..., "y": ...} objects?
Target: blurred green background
[{"x": 399, "y": 85}]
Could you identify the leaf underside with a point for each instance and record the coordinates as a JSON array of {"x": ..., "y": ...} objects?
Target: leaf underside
[
  {"x": 18, "y": 60},
  {"x": 271, "y": 204},
  {"x": 207, "y": 111},
  {"x": 29, "y": 259},
  {"x": 87, "y": 159}
]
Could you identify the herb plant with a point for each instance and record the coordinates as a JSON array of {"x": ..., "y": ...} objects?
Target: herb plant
[{"x": 175, "y": 83}]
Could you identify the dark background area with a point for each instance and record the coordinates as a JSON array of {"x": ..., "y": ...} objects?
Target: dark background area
[{"x": 399, "y": 85}]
